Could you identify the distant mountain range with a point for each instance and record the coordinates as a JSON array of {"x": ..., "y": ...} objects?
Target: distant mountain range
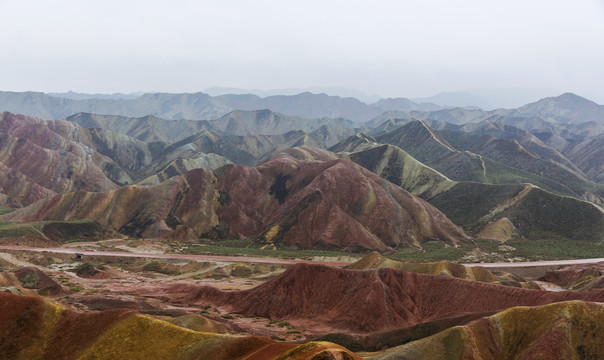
[
  {"x": 525, "y": 172},
  {"x": 199, "y": 106}
]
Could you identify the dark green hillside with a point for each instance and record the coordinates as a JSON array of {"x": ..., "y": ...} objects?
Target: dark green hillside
[
  {"x": 467, "y": 202},
  {"x": 421, "y": 142},
  {"x": 532, "y": 211},
  {"x": 542, "y": 211},
  {"x": 522, "y": 165}
]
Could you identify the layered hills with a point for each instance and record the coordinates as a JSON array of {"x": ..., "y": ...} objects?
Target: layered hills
[
  {"x": 442, "y": 268},
  {"x": 564, "y": 330},
  {"x": 282, "y": 202},
  {"x": 180, "y": 208},
  {"x": 322, "y": 203},
  {"x": 32, "y": 328},
  {"x": 371, "y": 300},
  {"x": 477, "y": 174},
  {"x": 199, "y": 106},
  {"x": 567, "y": 107},
  {"x": 395, "y": 165},
  {"x": 52, "y": 161},
  {"x": 301, "y": 179},
  {"x": 491, "y": 206}
]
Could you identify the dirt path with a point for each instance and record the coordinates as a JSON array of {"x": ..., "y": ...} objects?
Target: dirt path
[
  {"x": 13, "y": 260},
  {"x": 263, "y": 259},
  {"x": 175, "y": 256},
  {"x": 537, "y": 263}
]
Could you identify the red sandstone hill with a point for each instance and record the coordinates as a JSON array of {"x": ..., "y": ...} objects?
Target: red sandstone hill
[
  {"x": 179, "y": 208},
  {"x": 283, "y": 202},
  {"x": 565, "y": 330},
  {"x": 20, "y": 188},
  {"x": 329, "y": 204},
  {"x": 49, "y": 159},
  {"x": 370, "y": 300},
  {"x": 31, "y": 328}
]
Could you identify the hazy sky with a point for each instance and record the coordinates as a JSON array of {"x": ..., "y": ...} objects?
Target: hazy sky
[{"x": 390, "y": 48}]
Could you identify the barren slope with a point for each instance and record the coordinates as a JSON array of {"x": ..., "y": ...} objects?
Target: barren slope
[
  {"x": 333, "y": 203},
  {"x": 31, "y": 328}
]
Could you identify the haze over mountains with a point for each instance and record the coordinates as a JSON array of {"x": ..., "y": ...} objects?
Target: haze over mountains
[{"x": 565, "y": 108}]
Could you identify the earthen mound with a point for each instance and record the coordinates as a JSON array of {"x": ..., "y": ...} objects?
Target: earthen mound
[
  {"x": 574, "y": 277},
  {"x": 179, "y": 208},
  {"x": 34, "y": 278},
  {"x": 566, "y": 330},
  {"x": 370, "y": 300},
  {"x": 32, "y": 328},
  {"x": 375, "y": 260},
  {"x": 326, "y": 204}
]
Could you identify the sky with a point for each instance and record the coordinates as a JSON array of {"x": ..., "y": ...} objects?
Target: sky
[{"x": 514, "y": 48}]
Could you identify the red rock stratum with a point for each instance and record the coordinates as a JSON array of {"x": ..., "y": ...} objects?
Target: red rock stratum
[
  {"x": 566, "y": 330},
  {"x": 370, "y": 300},
  {"x": 179, "y": 208},
  {"x": 328, "y": 204},
  {"x": 31, "y": 328},
  {"x": 283, "y": 202}
]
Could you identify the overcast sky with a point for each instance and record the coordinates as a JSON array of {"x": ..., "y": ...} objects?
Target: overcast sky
[{"x": 389, "y": 48}]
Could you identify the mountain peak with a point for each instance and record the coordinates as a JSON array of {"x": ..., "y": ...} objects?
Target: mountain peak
[{"x": 567, "y": 107}]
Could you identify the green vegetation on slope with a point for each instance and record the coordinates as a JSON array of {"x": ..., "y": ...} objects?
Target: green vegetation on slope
[
  {"x": 544, "y": 246},
  {"x": 47, "y": 229},
  {"x": 467, "y": 202},
  {"x": 11, "y": 230},
  {"x": 241, "y": 247},
  {"x": 499, "y": 173}
]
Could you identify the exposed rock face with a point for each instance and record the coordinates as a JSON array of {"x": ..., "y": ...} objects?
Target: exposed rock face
[
  {"x": 442, "y": 268},
  {"x": 180, "y": 208},
  {"x": 31, "y": 328},
  {"x": 577, "y": 277},
  {"x": 56, "y": 170},
  {"x": 20, "y": 188},
  {"x": 33, "y": 278},
  {"x": 371, "y": 300},
  {"x": 500, "y": 230},
  {"x": 566, "y": 330},
  {"x": 52, "y": 160},
  {"x": 285, "y": 202},
  {"x": 333, "y": 203}
]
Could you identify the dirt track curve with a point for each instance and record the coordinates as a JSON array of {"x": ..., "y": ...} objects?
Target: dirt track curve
[
  {"x": 175, "y": 256},
  {"x": 278, "y": 260}
]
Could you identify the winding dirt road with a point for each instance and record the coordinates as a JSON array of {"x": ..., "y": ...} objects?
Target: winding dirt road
[
  {"x": 278, "y": 260},
  {"x": 175, "y": 256}
]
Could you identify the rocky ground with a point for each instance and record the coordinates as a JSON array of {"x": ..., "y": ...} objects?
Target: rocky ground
[{"x": 373, "y": 305}]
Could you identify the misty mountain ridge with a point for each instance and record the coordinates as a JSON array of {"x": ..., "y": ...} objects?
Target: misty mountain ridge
[
  {"x": 199, "y": 106},
  {"x": 462, "y": 99}
]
